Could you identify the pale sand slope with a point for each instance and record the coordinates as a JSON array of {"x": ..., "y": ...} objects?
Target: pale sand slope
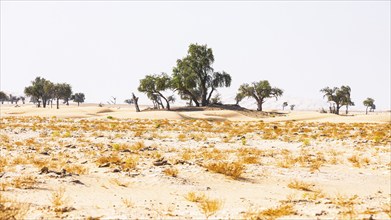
[
  {"x": 123, "y": 111},
  {"x": 155, "y": 195}
]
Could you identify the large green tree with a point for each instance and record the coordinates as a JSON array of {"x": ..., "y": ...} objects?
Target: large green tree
[
  {"x": 154, "y": 85},
  {"x": 338, "y": 96},
  {"x": 369, "y": 103},
  {"x": 260, "y": 91},
  {"x": 194, "y": 77},
  {"x": 41, "y": 89}
]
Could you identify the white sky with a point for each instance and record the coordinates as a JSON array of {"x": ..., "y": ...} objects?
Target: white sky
[{"x": 104, "y": 48}]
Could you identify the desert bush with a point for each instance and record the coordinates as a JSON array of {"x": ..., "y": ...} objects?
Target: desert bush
[
  {"x": 11, "y": 209},
  {"x": 231, "y": 169},
  {"x": 171, "y": 171}
]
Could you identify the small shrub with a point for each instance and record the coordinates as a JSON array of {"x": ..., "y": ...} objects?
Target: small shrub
[
  {"x": 171, "y": 171},
  {"x": 231, "y": 169}
]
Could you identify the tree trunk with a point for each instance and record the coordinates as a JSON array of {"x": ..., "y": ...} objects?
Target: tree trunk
[
  {"x": 135, "y": 100},
  {"x": 337, "y": 110},
  {"x": 44, "y": 103},
  {"x": 78, "y": 103},
  {"x": 58, "y": 104},
  {"x": 259, "y": 106},
  {"x": 210, "y": 95},
  {"x": 347, "y": 109},
  {"x": 366, "y": 110},
  {"x": 167, "y": 102}
]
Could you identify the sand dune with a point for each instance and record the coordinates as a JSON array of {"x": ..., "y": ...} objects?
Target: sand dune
[{"x": 123, "y": 111}]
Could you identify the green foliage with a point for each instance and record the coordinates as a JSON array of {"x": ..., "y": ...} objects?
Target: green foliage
[
  {"x": 62, "y": 91},
  {"x": 78, "y": 97},
  {"x": 194, "y": 77},
  {"x": 338, "y": 96},
  {"x": 260, "y": 91},
  {"x": 3, "y": 97},
  {"x": 154, "y": 85},
  {"x": 369, "y": 103},
  {"x": 41, "y": 89}
]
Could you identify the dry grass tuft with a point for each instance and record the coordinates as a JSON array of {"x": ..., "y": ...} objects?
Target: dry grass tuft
[
  {"x": 210, "y": 206},
  {"x": 195, "y": 197},
  {"x": 300, "y": 185},
  {"x": 271, "y": 213},
  {"x": 10, "y": 209},
  {"x": 130, "y": 162},
  {"x": 171, "y": 171},
  {"x": 231, "y": 169},
  {"x": 24, "y": 182}
]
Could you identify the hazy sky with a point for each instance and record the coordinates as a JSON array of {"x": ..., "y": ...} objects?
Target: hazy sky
[{"x": 104, "y": 48}]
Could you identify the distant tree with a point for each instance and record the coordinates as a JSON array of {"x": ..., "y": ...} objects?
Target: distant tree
[
  {"x": 23, "y": 99},
  {"x": 346, "y": 100},
  {"x": 62, "y": 91},
  {"x": 129, "y": 101},
  {"x": 338, "y": 96},
  {"x": 216, "y": 99},
  {"x": 373, "y": 107},
  {"x": 195, "y": 79},
  {"x": 369, "y": 103},
  {"x": 41, "y": 89},
  {"x": 112, "y": 101},
  {"x": 78, "y": 97},
  {"x": 260, "y": 91},
  {"x": 239, "y": 97},
  {"x": 292, "y": 107},
  {"x": 3, "y": 97},
  {"x": 285, "y": 104},
  {"x": 154, "y": 85}
]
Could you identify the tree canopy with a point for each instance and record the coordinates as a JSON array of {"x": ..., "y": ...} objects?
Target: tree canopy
[
  {"x": 41, "y": 89},
  {"x": 369, "y": 103},
  {"x": 338, "y": 96},
  {"x": 260, "y": 91},
  {"x": 154, "y": 85},
  {"x": 78, "y": 97},
  {"x": 194, "y": 77},
  {"x": 3, "y": 97}
]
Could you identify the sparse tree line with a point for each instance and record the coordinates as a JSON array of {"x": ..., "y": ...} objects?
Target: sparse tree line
[
  {"x": 194, "y": 79},
  {"x": 44, "y": 92}
]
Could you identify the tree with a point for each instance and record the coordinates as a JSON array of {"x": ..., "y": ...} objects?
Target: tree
[
  {"x": 41, "y": 89},
  {"x": 338, "y": 96},
  {"x": 292, "y": 107},
  {"x": 260, "y": 91},
  {"x": 346, "y": 100},
  {"x": 129, "y": 101},
  {"x": 3, "y": 97},
  {"x": 62, "y": 91},
  {"x": 285, "y": 104},
  {"x": 154, "y": 85},
  {"x": 135, "y": 101},
  {"x": 78, "y": 97},
  {"x": 369, "y": 103},
  {"x": 238, "y": 98},
  {"x": 195, "y": 79}
]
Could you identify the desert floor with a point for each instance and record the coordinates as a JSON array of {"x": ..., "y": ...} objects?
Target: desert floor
[{"x": 110, "y": 162}]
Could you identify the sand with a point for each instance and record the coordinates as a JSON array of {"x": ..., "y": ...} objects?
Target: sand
[{"x": 345, "y": 160}]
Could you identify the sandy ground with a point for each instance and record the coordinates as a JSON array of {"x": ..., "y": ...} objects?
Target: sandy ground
[
  {"x": 107, "y": 161},
  {"x": 125, "y": 111}
]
